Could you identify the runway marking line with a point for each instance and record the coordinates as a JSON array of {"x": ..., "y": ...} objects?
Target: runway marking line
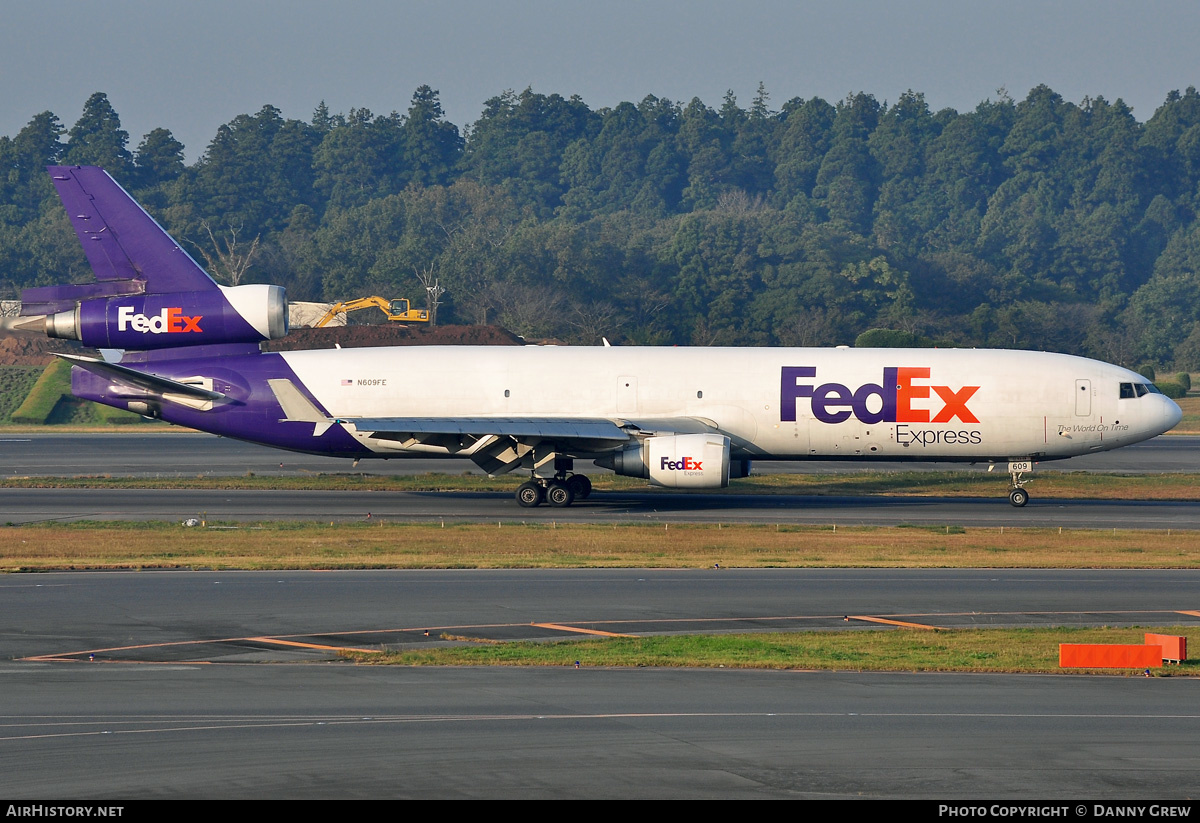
[
  {"x": 278, "y": 642},
  {"x": 1034, "y": 611},
  {"x": 68, "y": 656},
  {"x": 901, "y": 623},
  {"x": 235, "y": 724},
  {"x": 561, "y": 628},
  {"x": 283, "y": 639}
]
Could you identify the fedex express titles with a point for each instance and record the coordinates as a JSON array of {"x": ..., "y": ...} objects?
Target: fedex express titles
[{"x": 889, "y": 401}]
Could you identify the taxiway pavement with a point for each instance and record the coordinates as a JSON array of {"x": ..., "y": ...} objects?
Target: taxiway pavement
[
  {"x": 202, "y": 716},
  {"x": 153, "y": 684},
  {"x": 20, "y": 505},
  {"x": 173, "y": 453}
]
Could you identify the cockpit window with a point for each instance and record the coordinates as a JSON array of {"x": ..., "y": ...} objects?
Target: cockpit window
[{"x": 1132, "y": 390}]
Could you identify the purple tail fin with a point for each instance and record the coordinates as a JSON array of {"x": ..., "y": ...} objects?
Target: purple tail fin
[
  {"x": 127, "y": 249},
  {"x": 149, "y": 294}
]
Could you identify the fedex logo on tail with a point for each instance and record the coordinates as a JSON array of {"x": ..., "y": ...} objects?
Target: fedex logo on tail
[
  {"x": 168, "y": 321},
  {"x": 900, "y": 387}
]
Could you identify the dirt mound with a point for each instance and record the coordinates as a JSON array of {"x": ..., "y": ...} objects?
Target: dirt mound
[
  {"x": 29, "y": 349},
  {"x": 364, "y": 336}
]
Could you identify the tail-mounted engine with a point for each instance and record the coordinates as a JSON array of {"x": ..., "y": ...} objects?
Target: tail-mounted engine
[
  {"x": 240, "y": 314},
  {"x": 148, "y": 292},
  {"x": 679, "y": 461}
]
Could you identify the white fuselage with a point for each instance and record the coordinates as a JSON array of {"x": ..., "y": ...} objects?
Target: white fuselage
[{"x": 907, "y": 404}]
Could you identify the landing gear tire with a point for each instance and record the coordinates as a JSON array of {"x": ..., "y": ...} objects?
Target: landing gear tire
[
  {"x": 559, "y": 495},
  {"x": 1018, "y": 497},
  {"x": 530, "y": 494},
  {"x": 580, "y": 485}
]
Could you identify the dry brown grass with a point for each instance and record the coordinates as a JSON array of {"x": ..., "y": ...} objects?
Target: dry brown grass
[
  {"x": 408, "y": 546},
  {"x": 1191, "y": 415}
]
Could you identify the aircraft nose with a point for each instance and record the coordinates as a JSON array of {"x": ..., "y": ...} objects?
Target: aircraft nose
[{"x": 1171, "y": 413}]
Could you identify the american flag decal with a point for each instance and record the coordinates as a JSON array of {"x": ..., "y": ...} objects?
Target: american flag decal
[{"x": 347, "y": 382}]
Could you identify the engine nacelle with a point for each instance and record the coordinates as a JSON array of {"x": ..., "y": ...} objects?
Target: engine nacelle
[
  {"x": 678, "y": 461},
  {"x": 238, "y": 314}
]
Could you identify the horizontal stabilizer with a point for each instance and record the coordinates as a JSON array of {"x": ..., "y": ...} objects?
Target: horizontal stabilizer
[
  {"x": 147, "y": 382},
  {"x": 53, "y": 299}
]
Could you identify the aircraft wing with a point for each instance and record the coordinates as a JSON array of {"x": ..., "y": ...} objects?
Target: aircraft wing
[
  {"x": 496, "y": 444},
  {"x": 542, "y": 428},
  {"x": 559, "y": 429},
  {"x": 501, "y": 444}
]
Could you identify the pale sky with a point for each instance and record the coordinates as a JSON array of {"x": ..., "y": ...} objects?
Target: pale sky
[{"x": 190, "y": 67}]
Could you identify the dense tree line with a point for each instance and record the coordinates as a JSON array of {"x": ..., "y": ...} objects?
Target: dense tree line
[{"x": 1039, "y": 223}]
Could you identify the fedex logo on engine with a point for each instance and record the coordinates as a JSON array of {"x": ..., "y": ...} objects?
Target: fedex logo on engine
[
  {"x": 686, "y": 464},
  {"x": 835, "y": 402},
  {"x": 168, "y": 321}
]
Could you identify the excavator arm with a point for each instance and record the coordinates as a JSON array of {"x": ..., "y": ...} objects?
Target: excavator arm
[{"x": 397, "y": 311}]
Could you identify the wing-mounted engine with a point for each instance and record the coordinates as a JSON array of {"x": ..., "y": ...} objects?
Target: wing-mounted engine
[{"x": 679, "y": 461}]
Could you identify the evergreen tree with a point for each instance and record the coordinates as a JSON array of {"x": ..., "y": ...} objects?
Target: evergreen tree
[
  {"x": 159, "y": 158},
  {"x": 97, "y": 139},
  {"x": 359, "y": 158},
  {"x": 519, "y": 143},
  {"x": 848, "y": 179},
  {"x": 432, "y": 145},
  {"x": 23, "y": 160}
]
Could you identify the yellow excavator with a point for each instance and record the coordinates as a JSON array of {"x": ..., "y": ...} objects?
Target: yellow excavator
[{"x": 396, "y": 310}]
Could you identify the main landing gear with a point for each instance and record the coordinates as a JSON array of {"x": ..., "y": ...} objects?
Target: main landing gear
[{"x": 559, "y": 491}]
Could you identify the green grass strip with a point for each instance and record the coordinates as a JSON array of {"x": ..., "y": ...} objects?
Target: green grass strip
[{"x": 963, "y": 650}]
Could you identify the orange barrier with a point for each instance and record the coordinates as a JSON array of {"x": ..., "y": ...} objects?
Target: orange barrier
[
  {"x": 1174, "y": 647},
  {"x": 1109, "y": 656}
]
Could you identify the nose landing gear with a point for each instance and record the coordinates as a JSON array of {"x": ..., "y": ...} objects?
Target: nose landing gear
[{"x": 1017, "y": 495}]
